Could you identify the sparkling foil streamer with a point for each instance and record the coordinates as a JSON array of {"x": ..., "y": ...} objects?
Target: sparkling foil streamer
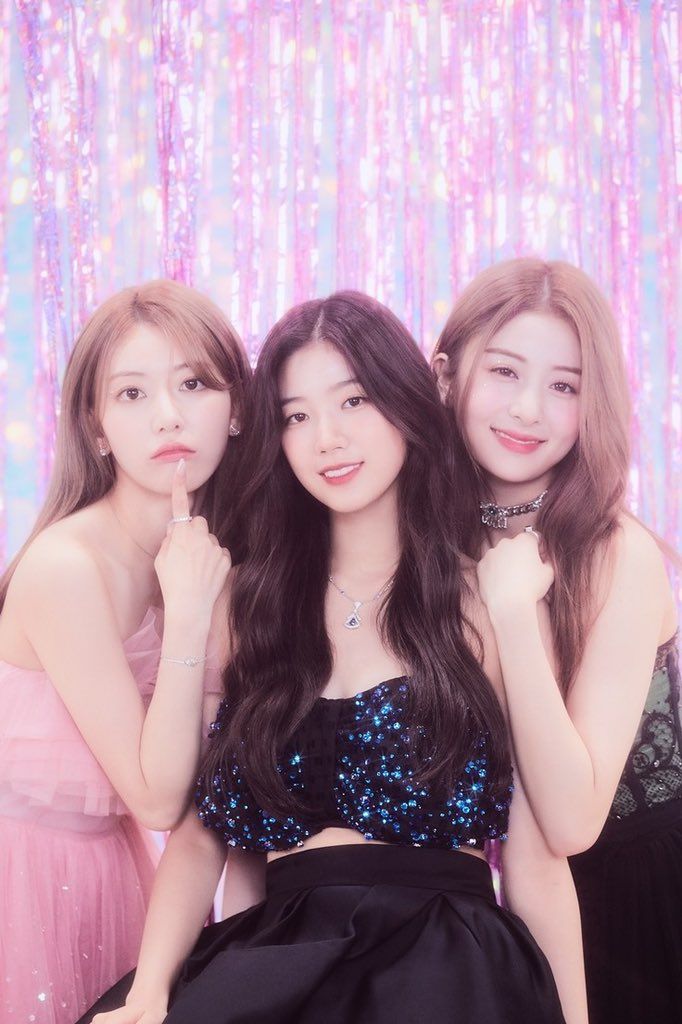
[
  {"x": 620, "y": 255},
  {"x": 5, "y": 56},
  {"x": 179, "y": 116},
  {"x": 282, "y": 148},
  {"x": 667, "y": 49},
  {"x": 82, "y": 158},
  {"x": 42, "y": 43}
]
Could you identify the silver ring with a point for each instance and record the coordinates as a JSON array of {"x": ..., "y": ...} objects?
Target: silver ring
[
  {"x": 529, "y": 529},
  {"x": 180, "y": 519}
]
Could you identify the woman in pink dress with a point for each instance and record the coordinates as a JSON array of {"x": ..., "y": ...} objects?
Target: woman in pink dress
[{"x": 106, "y": 673}]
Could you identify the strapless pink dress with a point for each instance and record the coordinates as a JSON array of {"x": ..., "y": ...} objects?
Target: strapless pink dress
[{"x": 75, "y": 868}]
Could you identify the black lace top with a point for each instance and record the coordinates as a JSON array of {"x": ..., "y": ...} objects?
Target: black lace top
[
  {"x": 350, "y": 764},
  {"x": 653, "y": 771}
]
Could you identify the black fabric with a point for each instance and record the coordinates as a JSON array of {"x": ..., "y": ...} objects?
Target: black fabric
[
  {"x": 629, "y": 887},
  {"x": 369, "y": 935},
  {"x": 350, "y": 764},
  {"x": 653, "y": 772}
]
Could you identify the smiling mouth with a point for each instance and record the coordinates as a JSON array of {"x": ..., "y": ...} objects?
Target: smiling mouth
[
  {"x": 338, "y": 472},
  {"x": 518, "y": 438}
]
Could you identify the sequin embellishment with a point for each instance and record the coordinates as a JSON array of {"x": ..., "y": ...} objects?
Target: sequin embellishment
[{"x": 350, "y": 763}]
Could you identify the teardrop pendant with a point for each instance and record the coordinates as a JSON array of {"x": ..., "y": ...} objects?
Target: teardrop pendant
[{"x": 354, "y": 621}]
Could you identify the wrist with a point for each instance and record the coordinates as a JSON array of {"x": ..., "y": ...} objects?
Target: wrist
[
  {"x": 150, "y": 996},
  {"x": 514, "y": 617},
  {"x": 188, "y": 623}
]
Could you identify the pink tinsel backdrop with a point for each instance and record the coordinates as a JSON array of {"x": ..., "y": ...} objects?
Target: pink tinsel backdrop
[{"x": 270, "y": 151}]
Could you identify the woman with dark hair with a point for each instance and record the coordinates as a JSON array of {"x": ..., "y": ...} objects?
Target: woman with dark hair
[
  {"x": 530, "y": 363},
  {"x": 372, "y": 801}
]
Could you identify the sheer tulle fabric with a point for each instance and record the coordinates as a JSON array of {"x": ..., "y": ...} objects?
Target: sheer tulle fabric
[
  {"x": 72, "y": 906},
  {"x": 75, "y": 870}
]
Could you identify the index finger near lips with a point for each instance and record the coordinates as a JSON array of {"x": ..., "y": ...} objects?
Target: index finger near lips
[{"x": 179, "y": 497}]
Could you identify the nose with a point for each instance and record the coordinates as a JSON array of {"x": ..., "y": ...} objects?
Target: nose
[
  {"x": 526, "y": 405},
  {"x": 330, "y": 436},
  {"x": 166, "y": 416}
]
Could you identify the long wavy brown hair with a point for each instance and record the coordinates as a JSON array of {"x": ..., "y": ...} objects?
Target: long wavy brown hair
[
  {"x": 588, "y": 490},
  {"x": 213, "y": 349},
  {"x": 282, "y": 653}
]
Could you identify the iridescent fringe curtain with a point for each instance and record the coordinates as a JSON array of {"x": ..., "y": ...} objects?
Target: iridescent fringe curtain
[{"x": 271, "y": 151}]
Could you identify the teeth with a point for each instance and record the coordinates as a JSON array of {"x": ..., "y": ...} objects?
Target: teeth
[
  {"x": 344, "y": 471},
  {"x": 516, "y": 440}
]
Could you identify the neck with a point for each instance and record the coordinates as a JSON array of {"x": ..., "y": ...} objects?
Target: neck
[
  {"x": 505, "y": 494},
  {"x": 141, "y": 515},
  {"x": 365, "y": 545}
]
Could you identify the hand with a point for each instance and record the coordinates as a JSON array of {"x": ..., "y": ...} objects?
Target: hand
[
  {"x": 191, "y": 565},
  {"x": 512, "y": 575}
]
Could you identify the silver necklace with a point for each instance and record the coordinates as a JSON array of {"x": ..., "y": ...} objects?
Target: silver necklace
[
  {"x": 127, "y": 532},
  {"x": 496, "y": 516},
  {"x": 354, "y": 621}
]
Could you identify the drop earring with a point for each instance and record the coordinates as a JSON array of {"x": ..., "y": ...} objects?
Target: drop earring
[
  {"x": 234, "y": 431},
  {"x": 103, "y": 447}
]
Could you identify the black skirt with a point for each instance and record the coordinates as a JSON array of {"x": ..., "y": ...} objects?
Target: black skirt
[
  {"x": 629, "y": 887},
  {"x": 366, "y": 935}
]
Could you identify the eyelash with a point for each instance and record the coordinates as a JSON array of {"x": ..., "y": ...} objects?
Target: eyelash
[
  {"x": 562, "y": 386},
  {"x": 291, "y": 420},
  {"x": 189, "y": 380}
]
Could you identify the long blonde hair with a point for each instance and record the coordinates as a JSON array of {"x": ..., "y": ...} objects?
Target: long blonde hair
[
  {"x": 588, "y": 491},
  {"x": 213, "y": 349}
]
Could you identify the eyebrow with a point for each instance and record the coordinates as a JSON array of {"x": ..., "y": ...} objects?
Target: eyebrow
[
  {"x": 141, "y": 373},
  {"x": 522, "y": 359},
  {"x": 334, "y": 387}
]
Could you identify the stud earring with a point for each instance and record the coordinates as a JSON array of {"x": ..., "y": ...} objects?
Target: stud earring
[
  {"x": 234, "y": 431},
  {"x": 103, "y": 447}
]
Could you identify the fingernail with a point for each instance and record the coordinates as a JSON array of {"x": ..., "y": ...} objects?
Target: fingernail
[{"x": 181, "y": 464}]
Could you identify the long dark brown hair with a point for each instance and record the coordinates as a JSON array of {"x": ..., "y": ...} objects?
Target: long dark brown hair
[
  {"x": 588, "y": 490},
  {"x": 283, "y": 656},
  {"x": 81, "y": 476}
]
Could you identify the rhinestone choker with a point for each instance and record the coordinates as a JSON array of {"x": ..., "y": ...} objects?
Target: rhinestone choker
[{"x": 496, "y": 516}]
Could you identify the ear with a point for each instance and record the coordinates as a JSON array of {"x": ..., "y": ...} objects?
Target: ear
[{"x": 440, "y": 364}]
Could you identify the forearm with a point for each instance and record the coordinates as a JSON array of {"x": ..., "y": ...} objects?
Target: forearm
[
  {"x": 543, "y": 896},
  {"x": 554, "y": 761},
  {"x": 244, "y": 881},
  {"x": 170, "y": 740},
  {"x": 183, "y": 892}
]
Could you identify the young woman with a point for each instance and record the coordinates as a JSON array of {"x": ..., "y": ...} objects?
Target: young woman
[
  {"x": 361, "y": 747},
  {"x": 583, "y": 614},
  {"x": 100, "y": 718}
]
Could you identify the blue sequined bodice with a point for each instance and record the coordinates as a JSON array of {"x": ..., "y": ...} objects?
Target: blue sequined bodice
[{"x": 349, "y": 762}]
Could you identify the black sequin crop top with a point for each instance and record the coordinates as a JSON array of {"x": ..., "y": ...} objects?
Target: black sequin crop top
[{"x": 350, "y": 763}]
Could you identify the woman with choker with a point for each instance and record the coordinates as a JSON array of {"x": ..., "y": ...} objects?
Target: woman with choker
[
  {"x": 361, "y": 747},
  {"x": 530, "y": 364}
]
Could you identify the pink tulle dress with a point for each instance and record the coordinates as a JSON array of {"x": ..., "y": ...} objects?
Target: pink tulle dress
[{"x": 75, "y": 868}]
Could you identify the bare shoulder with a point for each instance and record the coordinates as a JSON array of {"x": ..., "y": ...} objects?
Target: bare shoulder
[
  {"x": 59, "y": 562},
  {"x": 635, "y": 559},
  {"x": 632, "y": 570},
  {"x": 635, "y": 543}
]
